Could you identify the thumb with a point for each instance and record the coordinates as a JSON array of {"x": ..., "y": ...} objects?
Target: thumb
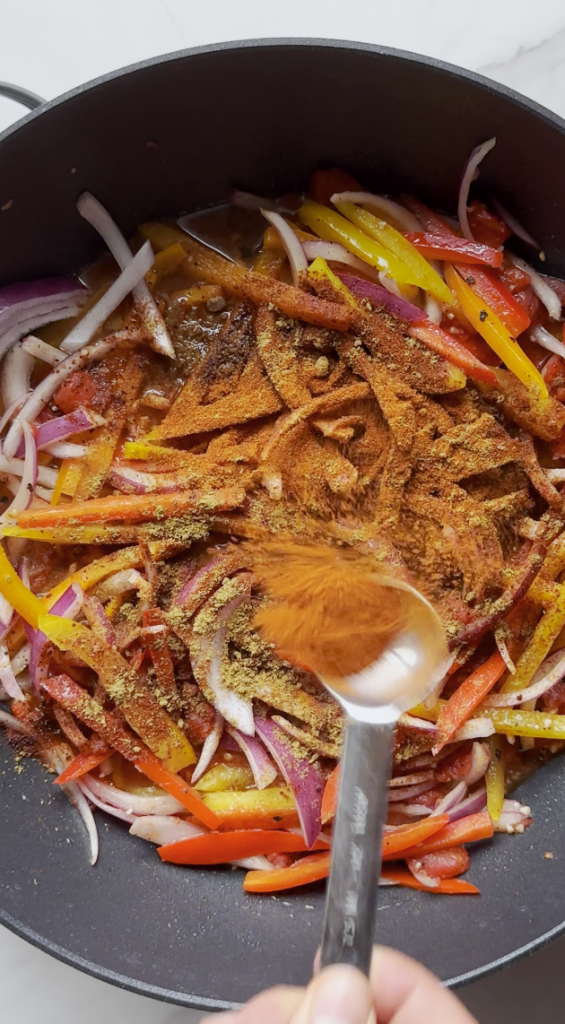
[{"x": 338, "y": 995}]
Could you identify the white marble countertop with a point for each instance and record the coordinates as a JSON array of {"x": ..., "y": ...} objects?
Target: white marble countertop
[{"x": 50, "y": 47}]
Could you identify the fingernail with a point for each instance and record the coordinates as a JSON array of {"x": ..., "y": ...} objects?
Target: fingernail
[{"x": 343, "y": 997}]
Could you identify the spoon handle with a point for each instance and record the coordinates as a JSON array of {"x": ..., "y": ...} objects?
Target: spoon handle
[{"x": 351, "y": 902}]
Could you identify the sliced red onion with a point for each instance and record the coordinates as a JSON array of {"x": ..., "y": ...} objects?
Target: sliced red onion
[
  {"x": 97, "y": 618},
  {"x": 9, "y": 722},
  {"x": 67, "y": 606},
  {"x": 389, "y": 283},
  {"x": 61, "y": 427},
  {"x": 82, "y": 783},
  {"x": 410, "y": 792},
  {"x": 480, "y": 760},
  {"x": 474, "y": 729},
  {"x": 544, "y": 338},
  {"x": 379, "y": 296},
  {"x": 120, "y": 583},
  {"x": 39, "y": 349},
  {"x": 469, "y": 174},
  {"x": 33, "y": 303},
  {"x": 117, "y": 292},
  {"x": 264, "y": 771},
  {"x": 237, "y": 711},
  {"x": 550, "y": 672},
  {"x": 44, "y": 392},
  {"x": 292, "y": 246},
  {"x": 474, "y": 803},
  {"x": 545, "y": 294},
  {"x": 334, "y": 252},
  {"x": 132, "y": 803},
  {"x": 417, "y": 869},
  {"x": 16, "y": 374},
  {"x": 411, "y": 780},
  {"x": 209, "y": 748},
  {"x": 515, "y": 817},
  {"x": 163, "y": 829},
  {"x": 515, "y": 227},
  {"x": 24, "y": 493},
  {"x": 417, "y": 724},
  {"x": 305, "y": 780},
  {"x": 20, "y": 661},
  {"x": 380, "y": 205},
  {"x": 135, "y": 481},
  {"x": 7, "y": 677},
  {"x": 97, "y": 215},
  {"x": 451, "y": 800}
]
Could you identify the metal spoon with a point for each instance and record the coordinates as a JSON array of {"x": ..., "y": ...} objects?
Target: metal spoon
[{"x": 408, "y": 670}]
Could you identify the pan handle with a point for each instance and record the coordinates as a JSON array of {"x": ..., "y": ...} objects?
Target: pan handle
[{"x": 24, "y": 96}]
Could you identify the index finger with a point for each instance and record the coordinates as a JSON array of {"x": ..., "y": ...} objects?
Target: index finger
[{"x": 407, "y": 993}]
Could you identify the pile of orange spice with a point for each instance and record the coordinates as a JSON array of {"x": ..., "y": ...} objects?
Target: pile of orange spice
[{"x": 326, "y": 609}]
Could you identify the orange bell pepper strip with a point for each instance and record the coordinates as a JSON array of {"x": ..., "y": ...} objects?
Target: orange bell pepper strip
[
  {"x": 467, "y": 698},
  {"x": 452, "y": 350},
  {"x": 84, "y": 762},
  {"x": 177, "y": 787},
  {"x": 302, "y": 872},
  {"x": 445, "y": 886},
  {"x": 131, "y": 507},
  {"x": 471, "y": 829},
  {"x": 331, "y": 792},
  {"x": 221, "y": 847},
  {"x": 394, "y": 843},
  {"x": 488, "y": 325},
  {"x": 453, "y": 248}
]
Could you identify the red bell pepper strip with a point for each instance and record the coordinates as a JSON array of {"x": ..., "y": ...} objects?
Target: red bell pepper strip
[
  {"x": 160, "y": 655},
  {"x": 445, "y": 886},
  {"x": 442, "y": 343},
  {"x": 329, "y": 799},
  {"x": 85, "y": 761},
  {"x": 302, "y": 872},
  {"x": 471, "y": 829},
  {"x": 494, "y": 292},
  {"x": 324, "y": 183},
  {"x": 467, "y": 697},
  {"x": 221, "y": 847},
  {"x": 431, "y": 221},
  {"x": 453, "y": 248}
]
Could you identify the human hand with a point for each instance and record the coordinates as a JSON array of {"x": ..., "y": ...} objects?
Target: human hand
[{"x": 400, "y": 991}]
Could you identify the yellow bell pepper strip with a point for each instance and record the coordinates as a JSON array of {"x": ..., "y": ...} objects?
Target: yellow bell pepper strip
[
  {"x": 419, "y": 270},
  {"x": 75, "y": 534},
  {"x": 125, "y": 687},
  {"x": 223, "y": 777},
  {"x": 67, "y": 480},
  {"x": 166, "y": 262},
  {"x": 11, "y": 587},
  {"x": 222, "y": 847},
  {"x": 547, "y": 629},
  {"x": 467, "y": 697},
  {"x": 320, "y": 272},
  {"x": 254, "y": 808},
  {"x": 94, "y": 572},
  {"x": 495, "y": 780},
  {"x": 536, "y": 724},
  {"x": 332, "y": 227},
  {"x": 487, "y": 324}
]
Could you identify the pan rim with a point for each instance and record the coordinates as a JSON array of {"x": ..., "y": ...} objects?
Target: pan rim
[{"x": 485, "y": 84}]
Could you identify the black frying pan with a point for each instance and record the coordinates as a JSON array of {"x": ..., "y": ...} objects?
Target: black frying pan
[{"x": 175, "y": 134}]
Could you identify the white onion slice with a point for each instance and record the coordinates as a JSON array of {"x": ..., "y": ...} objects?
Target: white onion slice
[
  {"x": 515, "y": 227},
  {"x": 39, "y": 349},
  {"x": 454, "y": 797},
  {"x": 469, "y": 175},
  {"x": 64, "y": 450},
  {"x": 75, "y": 794},
  {"x": 292, "y": 246},
  {"x": 132, "y": 803},
  {"x": 380, "y": 204},
  {"x": 44, "y": 392},
  {"x": 46, "y": 314},
  {"x": 24, "y": 493},
  {"x": 544, "y": 338},
  {"x": 9, "y": 722},
  {"x": 7, "y": 676},
  {"x": 97, "y": 215},
  {"x": 550, "y": 672},
  {"x": 480, "y": 760},
  {"x": 16, "y": 374},
  {"x": 99, "y": 313},
  {"x": 46, "y": 475},
  {"x": 209, "y": 748},
  {"x": 433, "y": 309},
  {"x": 164, "y": 829},
  {"x": 545, "y": 294},
  {"x": 474, "y": 729},
  {"x": 20, "y": 661}
]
